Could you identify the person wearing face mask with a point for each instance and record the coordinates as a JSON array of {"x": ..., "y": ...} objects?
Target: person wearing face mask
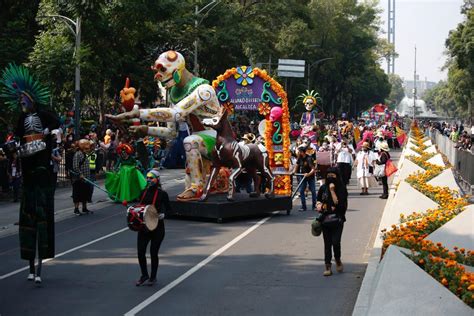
[
  {"x": 127, "y": 183},
  {"x": 332, "y": 206},
  {"x": 153, "y": 194}
]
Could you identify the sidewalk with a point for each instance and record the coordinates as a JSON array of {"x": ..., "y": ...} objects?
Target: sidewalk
[{"x": 63, "y": 206}]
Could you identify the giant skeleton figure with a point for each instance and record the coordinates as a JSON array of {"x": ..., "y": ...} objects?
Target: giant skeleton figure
[
  {"x": 308, "y": 119},
  {"x": 36, "y": 225},
  {"x": 192, "y": 100}
]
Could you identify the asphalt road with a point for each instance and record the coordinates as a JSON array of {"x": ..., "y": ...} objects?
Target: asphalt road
[{"x": 268, "y": 265}]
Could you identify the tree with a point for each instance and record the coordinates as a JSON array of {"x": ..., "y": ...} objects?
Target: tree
[{"x": 460, "y": 45}]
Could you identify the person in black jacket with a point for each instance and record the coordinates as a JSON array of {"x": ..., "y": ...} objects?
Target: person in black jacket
[
  {"x": 384, "y": 156},
  {"x": 332, "y": 205},
  {"x": 156, "y": 236}
]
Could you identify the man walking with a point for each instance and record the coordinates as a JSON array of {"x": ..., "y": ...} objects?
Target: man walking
[
  {"x": 305, "y": 168},
  {"x": 81, "y": 190}
]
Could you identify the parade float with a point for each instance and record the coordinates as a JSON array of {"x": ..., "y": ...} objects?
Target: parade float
[
  {"x": 202, "y": 106},
  {"x": 253, "y": 92}
]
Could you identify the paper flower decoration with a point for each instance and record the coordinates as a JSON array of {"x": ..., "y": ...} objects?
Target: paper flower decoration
[
  {"x": 244, "y": 75},
  {"x": 264, "y": 109}
]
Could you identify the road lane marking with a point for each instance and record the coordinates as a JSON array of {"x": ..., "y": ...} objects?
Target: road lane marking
[
  {"x": 194, "y": 269},
  {"x": 68, "y": 231},
  {"x": 66, "y": 252}
]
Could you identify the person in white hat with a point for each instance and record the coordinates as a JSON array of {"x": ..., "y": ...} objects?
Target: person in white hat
[{"x": 384, "y": 156}]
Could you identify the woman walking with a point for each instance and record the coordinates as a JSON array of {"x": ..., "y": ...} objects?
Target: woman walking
[
  {"x": 384, "y": 156},
  {"x": 332, "y": 206},
  {"x": 363, "y": 162},
  {"x": 153, "y": 194}
]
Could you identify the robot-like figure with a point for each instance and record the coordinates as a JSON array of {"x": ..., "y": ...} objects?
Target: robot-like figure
[{"x": 192, "y": 100}]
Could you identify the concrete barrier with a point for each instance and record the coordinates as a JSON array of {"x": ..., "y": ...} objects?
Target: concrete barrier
[
  {"x": 407, "y": 169},
  {"x": 402, "y": 288},
  {"x": 437, "y": 160},
  {"x": 458, "y": 232},
  {"x": 445, "y": 179}
]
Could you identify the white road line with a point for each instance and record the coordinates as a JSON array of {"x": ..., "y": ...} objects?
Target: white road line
[
  {"x": 66, "y": 252},
  {"x": 194, "y": 269}
]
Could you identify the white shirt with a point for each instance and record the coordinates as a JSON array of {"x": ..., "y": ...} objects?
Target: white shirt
[{"x": 344, "y": 156}]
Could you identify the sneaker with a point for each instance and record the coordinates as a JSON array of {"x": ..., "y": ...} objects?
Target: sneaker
[
  {"x": 328, "y": 271},
  {"x": 76, "y": 211},
  {"x": 339, "y": 267},
  {"x": 38, "y": 280},
  {"x": 85, "y": 211},
  {"x": 142, "y": 280},
  {"x": 151, "y": 281},
  {"x": 30, "y": 277},
  {"x": 302, "y": 210},
  {"x": 383, "y": 197}
]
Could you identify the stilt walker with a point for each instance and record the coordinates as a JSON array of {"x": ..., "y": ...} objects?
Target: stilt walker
[{"x": 36, "y": 225}]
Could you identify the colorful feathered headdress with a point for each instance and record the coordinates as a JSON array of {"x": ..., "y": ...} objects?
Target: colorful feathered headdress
[
  {"x": 309, "y": 95},
  {"x": 16, "y": 82}
]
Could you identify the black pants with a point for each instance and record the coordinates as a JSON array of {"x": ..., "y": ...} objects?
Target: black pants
[
  {"x": 332, "y": 241},
  {"x": 143, "y": 238},
  {"x": 384, "y": 185},
  {"x": 345, "y": 171}
]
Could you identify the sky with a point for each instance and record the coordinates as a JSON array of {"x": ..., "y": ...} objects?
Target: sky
[{"x": 426, "y": 24}]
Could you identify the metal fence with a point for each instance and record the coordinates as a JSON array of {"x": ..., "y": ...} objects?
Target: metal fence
[{"x": 462, "y": 160}]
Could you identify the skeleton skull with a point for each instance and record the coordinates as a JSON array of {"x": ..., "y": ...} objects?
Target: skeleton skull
[
  {"x": 168, "y": 68},
  {"x": 309, "y": 103}
]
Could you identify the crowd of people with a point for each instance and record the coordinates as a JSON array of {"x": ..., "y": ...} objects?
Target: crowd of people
[{"x": 462, "y": 136}]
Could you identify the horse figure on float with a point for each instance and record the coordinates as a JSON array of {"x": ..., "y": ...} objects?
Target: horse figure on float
[{"x": 237, "y": 156}]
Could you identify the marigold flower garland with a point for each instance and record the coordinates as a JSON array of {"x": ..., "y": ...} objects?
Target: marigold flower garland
[
  {"x": 443, "y": 265},
  {"x": 284, "y": 184}
]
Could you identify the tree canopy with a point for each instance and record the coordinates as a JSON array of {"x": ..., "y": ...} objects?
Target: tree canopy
[
  {"x": 121, "y": 38},
  {"x": 455, "y": 95}
]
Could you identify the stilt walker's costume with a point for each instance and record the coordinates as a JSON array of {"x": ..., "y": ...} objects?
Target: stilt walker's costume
[
  {"x": 34, "y": 130},
  {"x": 128, "y": 182}
]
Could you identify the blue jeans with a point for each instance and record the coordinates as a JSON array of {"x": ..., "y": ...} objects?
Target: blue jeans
[{"x": 311, "y": 183}]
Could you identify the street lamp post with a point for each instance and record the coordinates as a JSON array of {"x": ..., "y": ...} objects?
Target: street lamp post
[
  {"x": 414, "y": 89},
  {"x": 314, "y": 64},
  {"x": 211, "y": 5},
  {"x": 75, "y": 28}
]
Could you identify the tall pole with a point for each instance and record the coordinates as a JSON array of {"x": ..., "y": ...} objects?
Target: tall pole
[
  {"x": 77, "y": 84},
  {"x": 414, "y": 89},
  {"x": 211, "y": 5},
  {"x": 196, "y": 67},
  {"x": 77, "y": 76}
]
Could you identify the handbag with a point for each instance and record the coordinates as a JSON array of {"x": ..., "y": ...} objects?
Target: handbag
[
  {"x": 390, "y": 168},
  {"x": 379, "y": 171},
  {"x": 316, "y": 227},
  {"x": 331, "y": 220}
]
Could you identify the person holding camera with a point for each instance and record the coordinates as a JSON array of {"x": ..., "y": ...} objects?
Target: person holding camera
[{"x": 332, "y": 206}]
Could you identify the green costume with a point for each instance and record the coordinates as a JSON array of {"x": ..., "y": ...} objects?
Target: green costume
[{"x": 127, "y": 183}]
